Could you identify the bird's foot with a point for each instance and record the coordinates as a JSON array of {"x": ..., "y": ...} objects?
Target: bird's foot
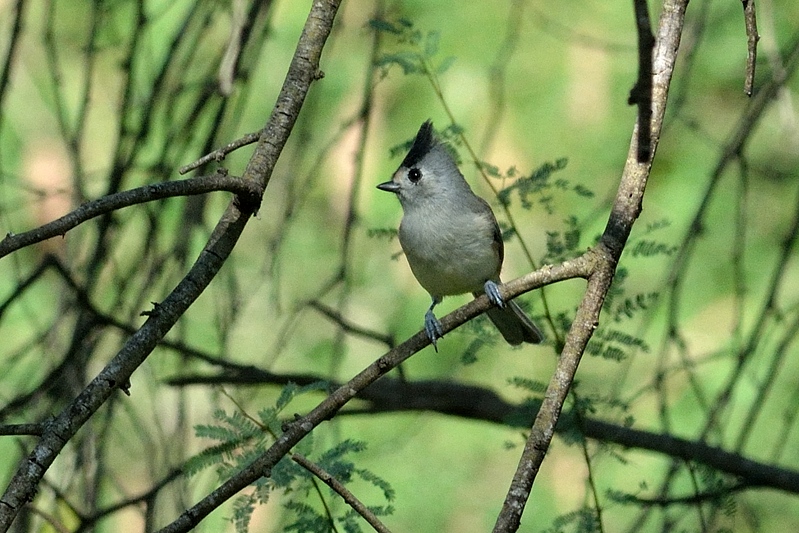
[
  {"x": 433, "y": 328},
  {"x": 492, "y": 291}
]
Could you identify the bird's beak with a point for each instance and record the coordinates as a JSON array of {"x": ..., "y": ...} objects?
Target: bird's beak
[{"x": 389, "y": 186}]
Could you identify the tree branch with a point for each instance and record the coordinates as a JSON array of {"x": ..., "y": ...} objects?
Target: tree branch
[
  {"x": 478, "y": 403},
  {"x": 641, "y": 93},
  {"x": 752, "y": 38},
  {"x": 302, "y": 72},
  {"x": 220, "y": 153},
  {"x": 247, "y": 190},
  {"x": 302, "y": 426},
  {"x": 342, "y": 491},
  {"x": 604, "y": 259}
]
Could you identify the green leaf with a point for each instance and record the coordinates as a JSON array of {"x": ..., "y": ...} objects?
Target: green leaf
[
  {"x": 408, "y": 61},
  {"x": 444, "y": 65},
  {"x": 370, "y": 477},
  {"x": 385, "y": 26},
  {"x": 530, "y": 385},
  {"x": 431, "y": 43}
]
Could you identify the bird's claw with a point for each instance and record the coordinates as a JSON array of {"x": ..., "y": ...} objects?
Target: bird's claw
[
  {"x": 433, "y": 328},
  {"x": 492, "y": 291}
]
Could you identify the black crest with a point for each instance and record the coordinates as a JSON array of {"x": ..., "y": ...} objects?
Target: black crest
[{"x": 423, "y": 143}]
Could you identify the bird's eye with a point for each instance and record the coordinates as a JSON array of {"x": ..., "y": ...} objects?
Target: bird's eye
[{"x": 414, "y": 175}]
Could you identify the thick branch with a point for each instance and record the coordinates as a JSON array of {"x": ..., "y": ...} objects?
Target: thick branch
[
  {"x": 641, "y": 93},
  {"x": 626, "y": 208},
  {"x": 328, "y": 408},
  {"x": 302, "y": 72},
  {"x": 478, "y": 403}
]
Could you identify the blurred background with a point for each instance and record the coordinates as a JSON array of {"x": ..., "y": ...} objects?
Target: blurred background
[{"x": 698, "y": 338}]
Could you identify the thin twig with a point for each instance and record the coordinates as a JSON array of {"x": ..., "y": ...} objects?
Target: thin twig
[
  {"x": 698, "y": 497},
  {"x": 56, "y": 524},
  {"x": 11, "y": 54},
  {"x": 592, "y": 484},
  {"x": 220, "y": 153},
  {"x": 88, "y": 522},
  {"x": 349, "y": 327},
  {"x": 752, "y": 38},
  {"x": 148, "y": 193},
  {"x": 341, "y": 490}
]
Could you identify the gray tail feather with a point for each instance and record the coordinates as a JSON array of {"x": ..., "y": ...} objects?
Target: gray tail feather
[{"x": 514, "y": 324}]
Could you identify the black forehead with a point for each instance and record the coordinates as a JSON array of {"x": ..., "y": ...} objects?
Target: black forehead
[{"x": 423, "y": 143}]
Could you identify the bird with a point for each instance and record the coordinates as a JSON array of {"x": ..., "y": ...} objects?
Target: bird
[{"x": 451, "y": 237}]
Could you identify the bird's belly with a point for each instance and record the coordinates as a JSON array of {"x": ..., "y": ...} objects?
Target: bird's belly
[{"x": 445, "y": 267}]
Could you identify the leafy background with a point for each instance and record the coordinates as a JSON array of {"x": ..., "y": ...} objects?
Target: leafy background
[{"x": 527, "y": 84}]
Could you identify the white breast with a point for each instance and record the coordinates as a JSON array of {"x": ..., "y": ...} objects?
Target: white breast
[{"x": 450, "y": 255}]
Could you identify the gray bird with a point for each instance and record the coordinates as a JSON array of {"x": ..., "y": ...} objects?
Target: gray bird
[{"x": 451, "y": 237}]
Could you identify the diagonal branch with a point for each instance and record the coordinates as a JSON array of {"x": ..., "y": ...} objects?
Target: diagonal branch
[
  {"x": 302, "y": 426},
  {"x": 220, "y": 153},
  {"x": 58, "y": 431},
  {"x": 391, "y": 395},
  {"x": 329, "y": 480},
  {"x": 641, "y": 93}
]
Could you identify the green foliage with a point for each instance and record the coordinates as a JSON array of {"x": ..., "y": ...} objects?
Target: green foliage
[
  {"x": 531, "y": 385},
  {"x": 308, "y": 519},
  {"x": 711, "y": 489},
  {"x": 711, "y": 481},
  {"x": 564, "y": 244},
  {"x": 418, "y": 55},
  {"x": 583, "y": 520},
  {"x": 377, "y": 481},
  {"x": 243, "y": 439},
  {"x": 538, "y": 184},
  {"x": 383, "y": 233},
  {"x": 586, "y": 406},
  {"x": 621, "y": 306},
  {"x": 469, "y": 355},
  {"x": 333, "y": 461},
  {"x": 632, "y": 306},
  {"x": 615, "y": 345},
  {"x": 481, "y": 333}
]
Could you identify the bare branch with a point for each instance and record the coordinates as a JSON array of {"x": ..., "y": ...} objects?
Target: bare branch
[
  {"x": 247, "y": 190},
  {"x": 22, "y": 429},
  {"x": 604, "y": 259},
  {"x": 302, "y": 72},
  {"x": 752, "y": 38},
  {"x": 328, "y": 408},
  {"x": 220, "y": 153},
  {"x": 348, "y": 327},
  {"x": 641, "y": 93},
  {"x": 342, "y": 491},
  {"x": 479, "y": 403}
]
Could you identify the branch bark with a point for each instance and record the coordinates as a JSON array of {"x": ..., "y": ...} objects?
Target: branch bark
[
  {"x": 302, "y": 426},
  {"x": 603, "y": 258},
  {"x": 247, "y": 190},
  {"x": 478, "y": 403},
  {"x": 304, "y": 69}
]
